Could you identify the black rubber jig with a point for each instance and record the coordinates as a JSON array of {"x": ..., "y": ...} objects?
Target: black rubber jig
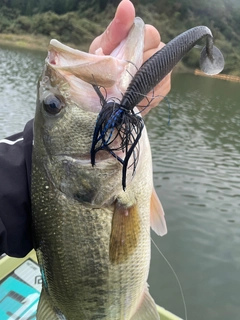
[{"x": 118, "y": 122}]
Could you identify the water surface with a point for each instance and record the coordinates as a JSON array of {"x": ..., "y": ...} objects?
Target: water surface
[
  {"x": 19, "y": 73},
  {"x": 196, "y": 174}
]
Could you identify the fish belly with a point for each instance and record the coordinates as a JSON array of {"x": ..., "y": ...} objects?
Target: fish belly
[{"x": 72, "y": 243}]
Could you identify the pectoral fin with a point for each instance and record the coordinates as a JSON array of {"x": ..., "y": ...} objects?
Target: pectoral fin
[
  {"x": 125, "y": 232},
  {"x": 147, "y": 308},
  {"x": 157, "y": 219}
]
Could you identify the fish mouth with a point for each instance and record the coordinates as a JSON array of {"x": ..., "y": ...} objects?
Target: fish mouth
[
  {"x": 92, "y": 68},
  {"x": 80, "y": 70},
  {"x": 102, "y": 156}
]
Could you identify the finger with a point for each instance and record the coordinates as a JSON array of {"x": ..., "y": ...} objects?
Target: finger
[
  {"x": 152, "y": 37},
  {"x": 160, "y": 92},
  {"x": 117, "y": 29},
  {"x": 162, "y": 88},
  {"x": 147, "y": 54}
]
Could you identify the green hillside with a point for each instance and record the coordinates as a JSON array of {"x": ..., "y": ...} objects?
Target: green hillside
[{"x": 79, "y": 21}]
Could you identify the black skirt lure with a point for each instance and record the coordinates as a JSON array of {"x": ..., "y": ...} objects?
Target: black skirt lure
[{"x": 117, "y": 121}]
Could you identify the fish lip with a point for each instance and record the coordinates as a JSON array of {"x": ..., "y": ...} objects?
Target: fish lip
[
  {"x": 82, "y": 65},
  {"x": 101, "y": 158},
  {"x": 56, "y": 48}
]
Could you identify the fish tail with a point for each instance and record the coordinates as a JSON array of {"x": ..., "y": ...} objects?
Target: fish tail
[{"x": 212, "y": 61}]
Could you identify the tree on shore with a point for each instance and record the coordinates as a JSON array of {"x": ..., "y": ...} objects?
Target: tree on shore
[{"x": 79, "y": 21}]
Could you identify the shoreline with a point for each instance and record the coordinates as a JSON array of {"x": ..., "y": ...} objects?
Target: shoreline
[
  {"x": 221, "y": 76},
  {"x": 32, "y": 42},
  {"x": 41, "y": 43}
]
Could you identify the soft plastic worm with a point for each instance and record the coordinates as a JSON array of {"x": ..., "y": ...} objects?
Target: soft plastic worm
[{"x": 163, "y": 61}]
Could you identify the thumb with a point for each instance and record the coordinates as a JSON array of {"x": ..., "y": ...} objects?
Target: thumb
[{"x": 117, "y": 29}]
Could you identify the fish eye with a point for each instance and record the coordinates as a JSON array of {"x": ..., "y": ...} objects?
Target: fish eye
[{"x": 52, "y": 104}]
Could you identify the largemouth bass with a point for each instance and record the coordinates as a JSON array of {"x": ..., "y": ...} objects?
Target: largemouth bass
[
  {"x": 92, "y": 209},
  {"x": 91, "y": 238}
]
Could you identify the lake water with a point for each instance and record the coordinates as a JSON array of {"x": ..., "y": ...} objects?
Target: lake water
[{"x": 196, "y": 174}]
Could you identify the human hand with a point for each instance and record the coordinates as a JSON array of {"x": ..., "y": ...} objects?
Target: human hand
[{"x": 118, "y": 30}]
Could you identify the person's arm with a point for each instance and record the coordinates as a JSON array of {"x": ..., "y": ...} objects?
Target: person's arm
[{"x": 15, "y": 204}]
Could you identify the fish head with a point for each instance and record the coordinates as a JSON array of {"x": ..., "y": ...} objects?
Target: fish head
[{"x": 67, "y": 111}]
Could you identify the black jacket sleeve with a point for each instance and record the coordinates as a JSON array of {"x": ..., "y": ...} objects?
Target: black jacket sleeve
[{"x": 15, "y": 203}]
